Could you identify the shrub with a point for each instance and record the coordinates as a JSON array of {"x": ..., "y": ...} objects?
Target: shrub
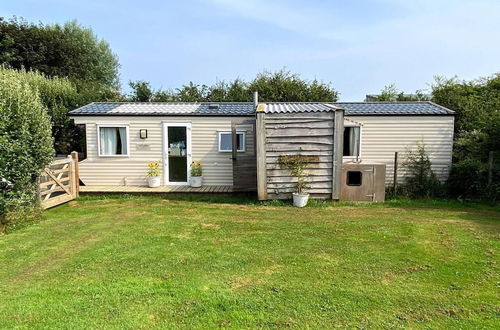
[
  {"x": 477, "y": 133},
  {"x": 297, "y": 165},
  {"x": 25, "y": 142},
  {"x": 421, "y": 181}
]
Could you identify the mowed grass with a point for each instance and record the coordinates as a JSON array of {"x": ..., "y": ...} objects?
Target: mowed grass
[{"x": 145, "y": 262}]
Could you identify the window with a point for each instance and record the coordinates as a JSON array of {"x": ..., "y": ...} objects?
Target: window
[
  {"x": 354, "y": 178},
  {"x": 226, "y": 144},
  {"x": 113, "y": 140},
  {"x": 352, "y": 141}
]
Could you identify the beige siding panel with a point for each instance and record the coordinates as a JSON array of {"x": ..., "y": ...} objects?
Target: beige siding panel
[
  {"x": 382, "y": 136},
  {"x": 217, "y": 166}
]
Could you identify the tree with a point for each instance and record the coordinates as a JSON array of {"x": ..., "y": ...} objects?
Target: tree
[
  {"x": 279, "y": 86},
  {"x": 82, "y": 67},
  {"x": 193, "y": 93},
  {"x": 283, "y": 86},
  {"x": 68, "y": 50},
  {"x": 141, "y": 91},
  {"x": 477, "y": 122},
  {"x": 25, "y": 138},
  {"x": 391, "y": 93}
]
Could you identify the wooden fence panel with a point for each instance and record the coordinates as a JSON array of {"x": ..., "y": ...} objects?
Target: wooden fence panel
[
  {"x": 59, "y": 182},
  {"x": 309, "y": 134},
  {"x": 245, "y": 173}
]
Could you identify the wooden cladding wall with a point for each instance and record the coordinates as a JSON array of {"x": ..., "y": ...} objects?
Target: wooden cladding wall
[
  {"x": 244, "y": 164},
  {"x": 310, "y": 134},
  {"x": 245, "y": 173}
]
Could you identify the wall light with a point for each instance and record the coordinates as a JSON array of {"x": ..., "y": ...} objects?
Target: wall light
[{"x": 143, "y": 133}]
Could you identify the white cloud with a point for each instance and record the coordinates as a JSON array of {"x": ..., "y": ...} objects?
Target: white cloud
[{"x": 423, "y": 39}]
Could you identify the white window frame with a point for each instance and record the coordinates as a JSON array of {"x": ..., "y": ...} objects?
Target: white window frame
[
  {"x": 99, "y": 139},
  {"x": 244, "y": 133},
  {"x": 360, "y": 143}
]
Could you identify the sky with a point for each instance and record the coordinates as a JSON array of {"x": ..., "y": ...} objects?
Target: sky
[{"x": 357, "y": 46}]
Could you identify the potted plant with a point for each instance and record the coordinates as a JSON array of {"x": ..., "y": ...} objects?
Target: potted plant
[
  {"x": 154, "y": 174},
  {"x": 297, "y": 165},
  {"x": 196, "y": 175}
]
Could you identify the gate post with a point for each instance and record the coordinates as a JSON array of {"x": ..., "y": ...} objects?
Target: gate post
[{"x": 76, "y": 176}]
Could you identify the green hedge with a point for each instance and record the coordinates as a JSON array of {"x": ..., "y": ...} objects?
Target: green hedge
[{"x": 26, "y": 143}]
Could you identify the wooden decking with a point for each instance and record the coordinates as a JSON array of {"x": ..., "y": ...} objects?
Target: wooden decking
[{"x": 162, "y": 189}]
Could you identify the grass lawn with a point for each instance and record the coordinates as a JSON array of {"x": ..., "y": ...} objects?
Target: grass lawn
[{"x": 115, "y": 262}]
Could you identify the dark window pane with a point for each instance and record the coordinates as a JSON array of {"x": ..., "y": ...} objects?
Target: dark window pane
[
  {"x": 177, "y": 154},
  {"x": 225, "y": 143},
  {"x": 354, "y": 178},
  {"x": 240, "y": 143}
]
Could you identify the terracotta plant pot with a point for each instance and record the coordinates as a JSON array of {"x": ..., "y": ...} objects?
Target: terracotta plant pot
[
  {"x": 300, "y": 200},
  {"x": 196, "y": 181},
  {"x": 153, "y": 181}
]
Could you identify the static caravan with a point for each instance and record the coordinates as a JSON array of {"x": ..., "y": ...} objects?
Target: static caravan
[{"x": 123, "y": 137}]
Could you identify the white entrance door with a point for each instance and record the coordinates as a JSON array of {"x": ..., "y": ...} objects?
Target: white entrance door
[{"x": 177, "y": 153}]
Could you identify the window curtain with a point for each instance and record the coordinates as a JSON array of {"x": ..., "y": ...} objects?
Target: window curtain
[
  {"x": 122, "y": 133},
  {"x": 113, "y": 140},
  {"x": 354, "y": 141}
]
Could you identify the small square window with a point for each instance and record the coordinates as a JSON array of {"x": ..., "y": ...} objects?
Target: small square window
[
  {"x": 354, "y": 178},
  {"x": 226, "y": 143}
]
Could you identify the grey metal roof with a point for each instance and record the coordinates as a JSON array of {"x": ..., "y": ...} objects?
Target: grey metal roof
[
  {"x": 247, "y": 108},
  {"x": 394, "y": 108},
  {"x": 362, "y": 108},
  {"x": 287, "y": 107},
  {"x": 164, "y": 108}
]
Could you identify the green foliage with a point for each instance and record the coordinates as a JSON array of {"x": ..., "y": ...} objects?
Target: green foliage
[
  {"x": 283, "y": 86},
  {"x": 196, "y": 168},
  {"x": 68, "y": 50},
  {"x": 477, "y": 122},
  {"x": 141, "y": 91},
  {"x": 279, "y": 86},
  {"x": 421, "y": 181},
  {"x": 58, "y": 95},
  {"x": 390, "y": 93},
  {"x": 297, "y": 165},
  {"x": 25, "y": 139},
  {"x": 82, "y": 67}
]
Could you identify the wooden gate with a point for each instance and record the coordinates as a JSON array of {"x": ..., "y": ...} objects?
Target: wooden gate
[{"x": 59, "y": 182}]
